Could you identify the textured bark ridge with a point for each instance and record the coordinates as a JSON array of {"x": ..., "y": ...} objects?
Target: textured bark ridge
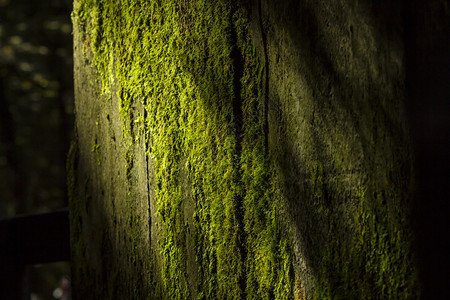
[{"x": 233, "y": 149}]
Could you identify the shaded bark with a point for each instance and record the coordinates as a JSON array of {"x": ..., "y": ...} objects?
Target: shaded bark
[{"x": 427, "y": 32}]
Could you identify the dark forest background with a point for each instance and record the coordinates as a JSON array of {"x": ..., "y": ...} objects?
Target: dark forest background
[{"x": 36, "y": 117}]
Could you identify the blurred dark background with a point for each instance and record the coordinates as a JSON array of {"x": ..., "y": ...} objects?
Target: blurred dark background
[{"x": 36, "y": 119}]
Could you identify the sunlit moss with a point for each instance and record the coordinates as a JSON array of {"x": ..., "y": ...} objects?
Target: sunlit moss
[
  {"x": 180, "y": 60},
  {"x": 192, "y": 68}
]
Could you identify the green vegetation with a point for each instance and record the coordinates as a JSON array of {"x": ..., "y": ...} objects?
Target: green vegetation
[
  {"x": 374, "y": 264},
  {"x": 189, "y": 84},
  {"x": 193, "y": 68}
]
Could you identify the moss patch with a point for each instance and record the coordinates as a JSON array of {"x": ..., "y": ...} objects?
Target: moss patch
[
  {"x": 192, "y": 66},
  {"x": 255, "y": 165}
]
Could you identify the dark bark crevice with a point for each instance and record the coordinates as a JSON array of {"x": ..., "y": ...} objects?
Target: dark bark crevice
[
  {"x": 265, "y": 77},
  {"x": 238, "y": 68}
]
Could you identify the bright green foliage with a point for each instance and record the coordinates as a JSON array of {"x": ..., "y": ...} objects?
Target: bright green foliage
[{"x": 192, "y": 65}]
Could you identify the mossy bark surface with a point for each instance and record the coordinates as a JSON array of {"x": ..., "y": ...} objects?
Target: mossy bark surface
[{"x": 234, "y": 149}]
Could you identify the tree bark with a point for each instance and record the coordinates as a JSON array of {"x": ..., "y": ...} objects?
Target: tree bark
[{"x": 241, "y": 149}]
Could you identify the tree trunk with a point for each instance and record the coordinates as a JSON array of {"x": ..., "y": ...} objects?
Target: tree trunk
[{"x": 234, "y": 149}]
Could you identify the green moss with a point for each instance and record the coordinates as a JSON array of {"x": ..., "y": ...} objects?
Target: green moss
[
  {"x": 96, "y": 149},
  {"x": 193, "y": 68},
  {"x": 374, "y": 263}
]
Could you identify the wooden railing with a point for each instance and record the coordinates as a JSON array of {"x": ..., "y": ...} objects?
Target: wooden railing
[{"x": 27, "y": 240}]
